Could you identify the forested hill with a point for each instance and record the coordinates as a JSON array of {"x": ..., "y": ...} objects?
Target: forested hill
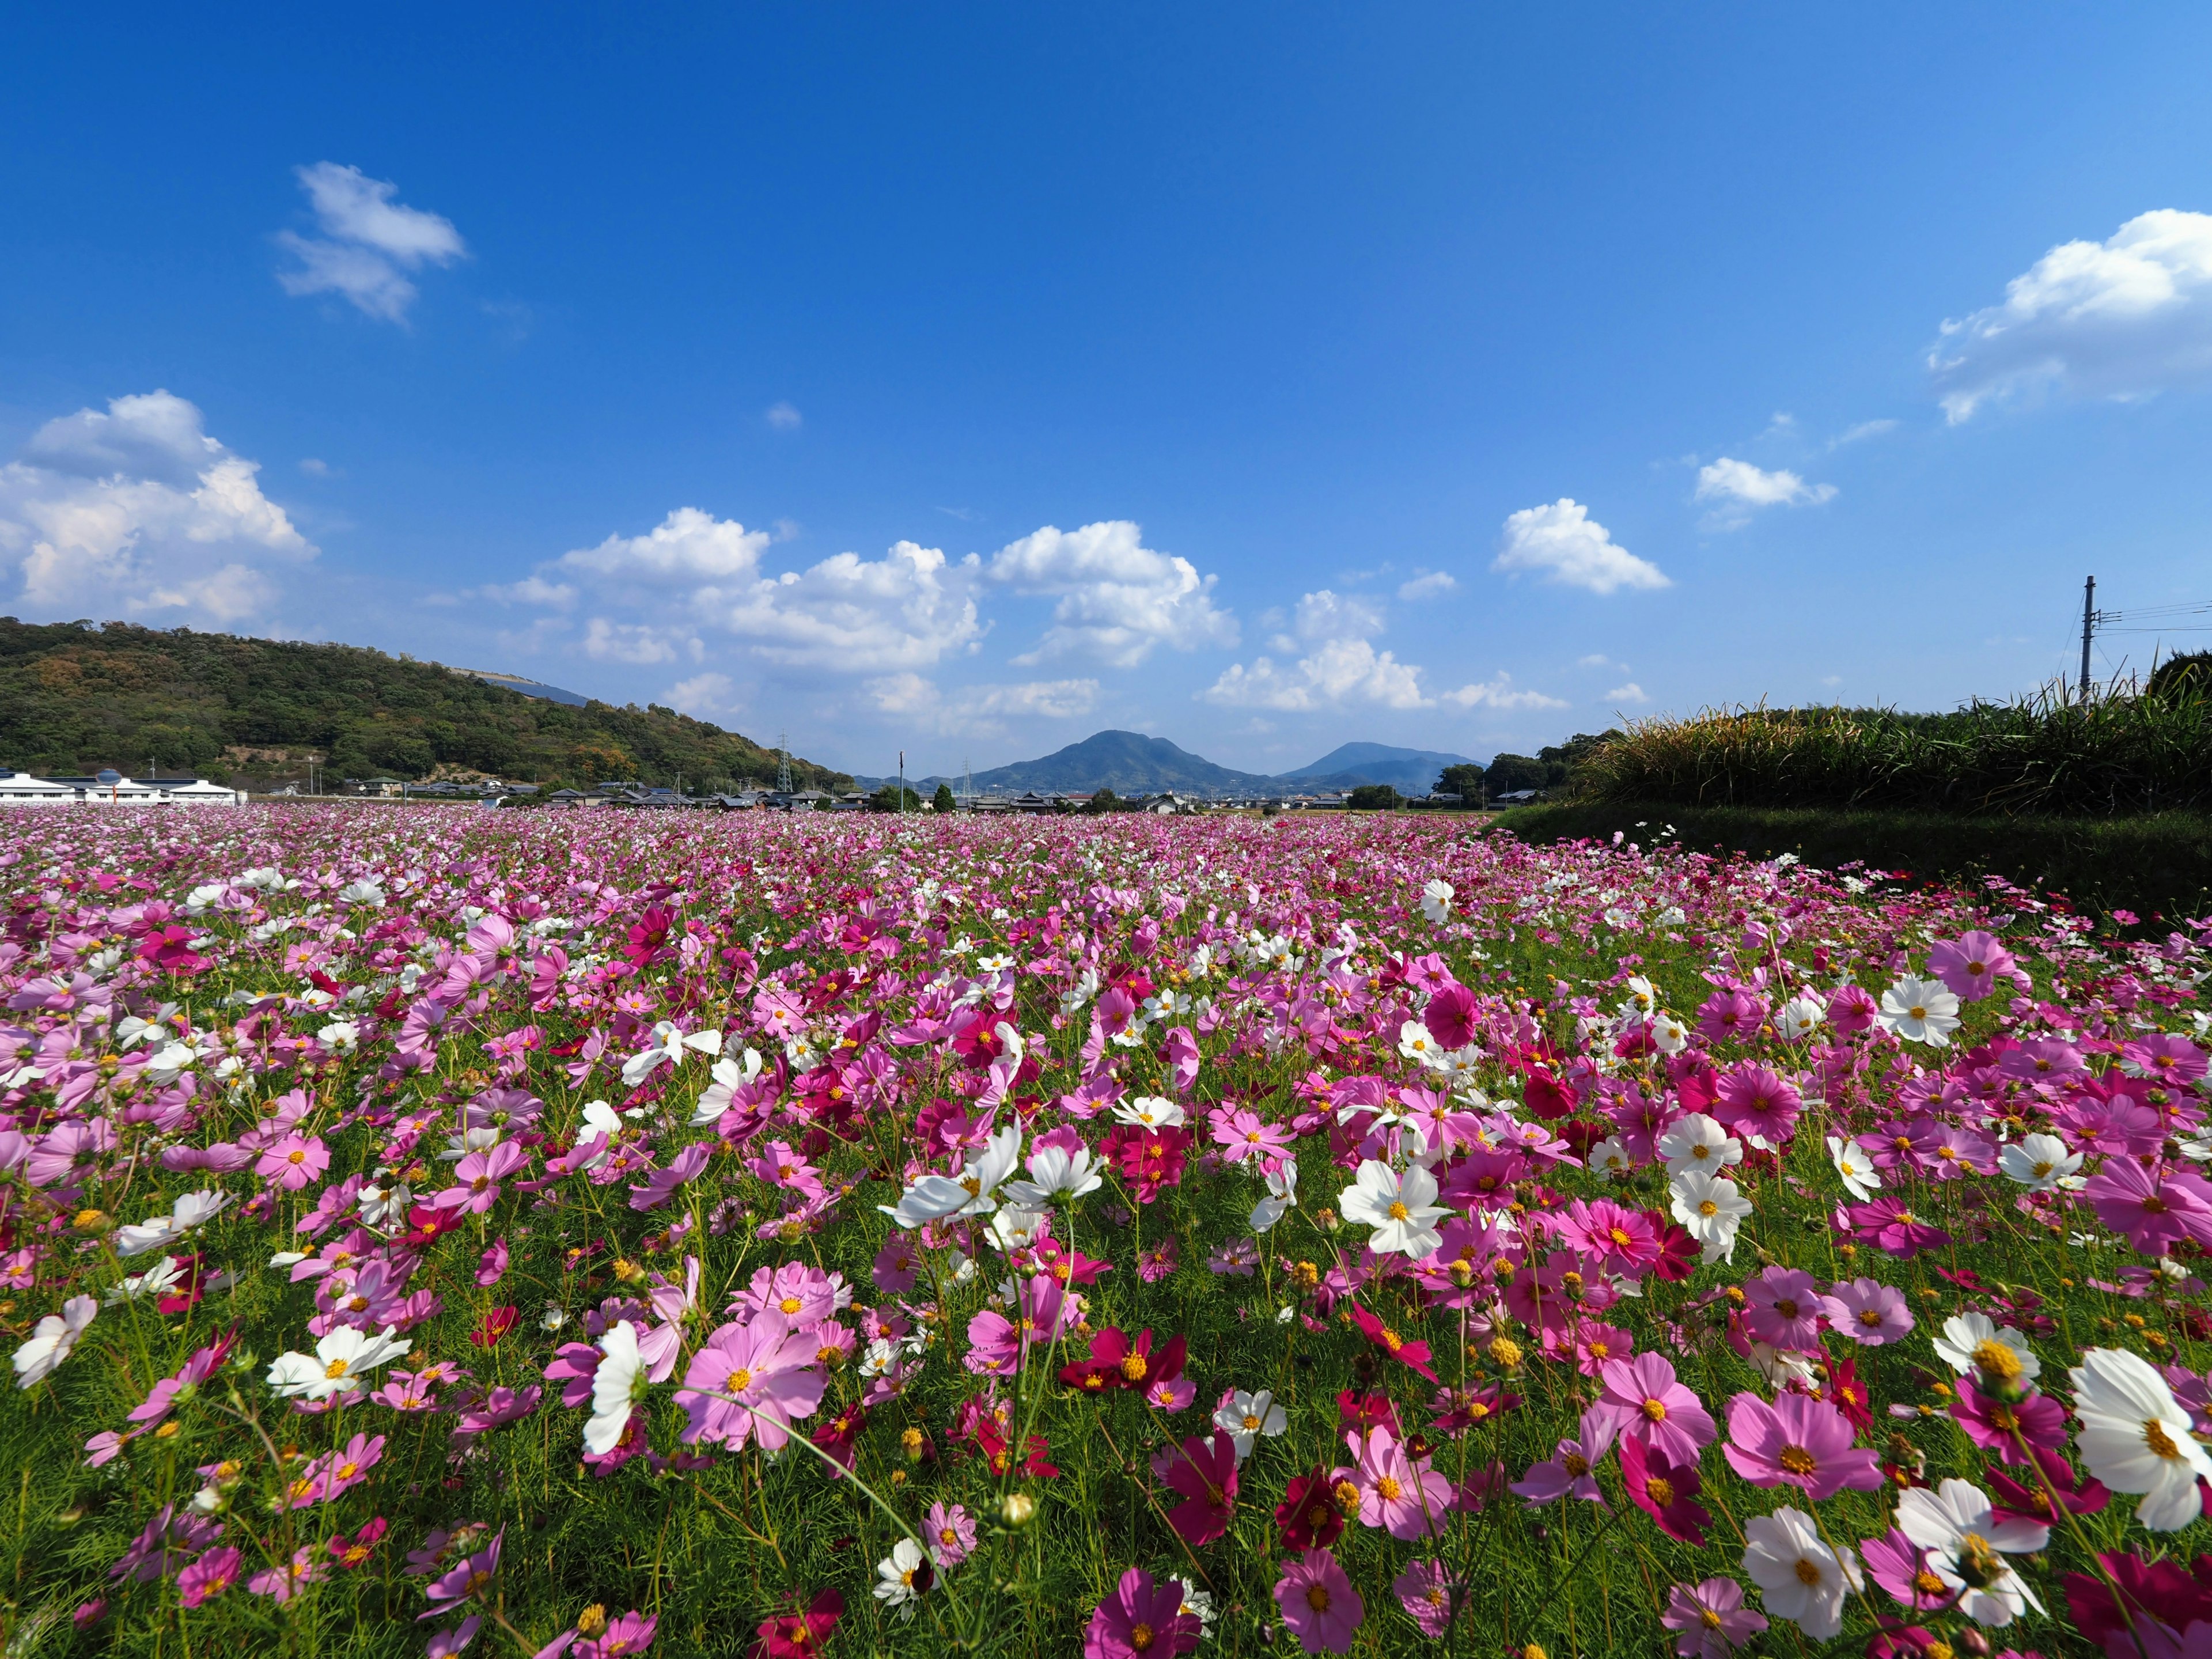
[{"x": 74, "y": 698}]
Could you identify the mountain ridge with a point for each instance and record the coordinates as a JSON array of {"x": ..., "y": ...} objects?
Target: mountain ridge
[{"x": 1130, "y": 762}]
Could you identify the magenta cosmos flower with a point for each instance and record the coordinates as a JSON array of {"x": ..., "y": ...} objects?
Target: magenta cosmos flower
[
  {"x": 1403, "y": 1496},
  {"x": 766, "y": 1368},
  {"x": 1648, "y": 1406},
  {"x": 477, "y": 1177},
  {"x": 1754, "y": 1100},
  {"x": 294, "y": 1162},
  {"x": 1783, "y": 1309},
  {"x": 209, "y": 1576},
  {"x": 2154, "y": 1209},
  {"x": 1971, "y": 965},
  {"x": 1319, "y": 1604},
  {"x": 1868, "y": 1311},
  {"x": 1710, "y": 1619},
  {"x": 1205, "y": 1472},
  {"x": 1140, "y": 1619},
  {"x": 1798, "y": 1439},
  {"x": 1425, "y": 1590},
  {"x": 949, "y": 1534}
]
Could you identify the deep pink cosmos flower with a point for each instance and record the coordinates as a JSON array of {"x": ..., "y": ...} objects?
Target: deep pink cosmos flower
[
  {"x": 1625, "y": 1241},
  {"x": 1403, "y": 1496},
  {"x": 293, "y": 1162},
  {"x": 1972, "y": 965},
  {"x": 1999, "y": 1425},
  {"x": 1452, "y": 1015},
  {"x": 1141, "y": 1619},
  {"x": 209, "y": 1576},
  {"x": 2170, "y": 1058},
  {"x": 1668, "y": 1492},
  {"x": 1386, "y": 1337},
  {"x": 1204, "y": 1471},
  {"x": 1710, "y": 1619},
  {"x": 1566, "y": 1474},
  {"x": 1730, "y": 1016},
  {"x": 767, "y": 1371},
  {"x": 800, "y": 1635},
  {"x": 1799, "y": 1440},
  {"x": 476, "y": 1185},
  {"x": 1647, "y": 1404},
  {"x": 1868, "y": 1311},
  {"x": 1319, "y": 1604},
  {"x": 1890, "y": 1223},
  {"x": 1782, "y": 1307},
  {"x": 1901, "y": 1568}
]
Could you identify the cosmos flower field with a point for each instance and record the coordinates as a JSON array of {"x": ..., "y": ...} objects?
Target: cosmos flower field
[{"x": 533, "y": 1234}]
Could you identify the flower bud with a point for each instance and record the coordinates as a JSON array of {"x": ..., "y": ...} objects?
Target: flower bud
[{"x": 1018, "y": 1510}]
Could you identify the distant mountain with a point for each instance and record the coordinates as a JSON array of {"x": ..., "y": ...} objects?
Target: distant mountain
[
  {"x": 1131, "y": 763},
  {"x": 527, "y": 688},
  {"x": 1410, "y": 771}
]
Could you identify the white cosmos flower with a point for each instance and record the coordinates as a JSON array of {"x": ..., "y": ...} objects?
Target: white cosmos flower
[
  {"x": 192, "y": 1210},
  {"x": 1695, "y": 1142},
  {"x": 382, "y": 1205},
  {"x": 1436, "y": 900},
  {"x": 618, "y": 1384},
  {"x": 171, "y": 1061},
  {"x": 1798, "y": 1016},
  {"x": 1399, "y": 1208},
  {"x": 896, "y": 1573},
  {"x": 2039, "y": 1162},
  {"x": 365, "y": 893},
  {"x": 1245, "y": 1417},
  {"x": 729, "y": 1076},
  {"x": 1053, "y": 1171},
  {"x": 340, "y": 1363},
  {"x": 340, "y": 1036},
  {"x": 1642, "y": 995},
  {"x": 49, "y": 1343},
  {"x": 1973, "y": 1341},
  {"x": 1015, "y": 1228},
  {"x": 1610, "y": 1159},
  {"x": 1860, "y": 1178},
  {"x": 1669, "y": 1034},
  {"x": 1711, "y": 1208},
  {"x": 1151, "y": 1112},
  {"x": 1415, "y": 1042},
  {"x": 155, "y": 1281},
  {"x": 1921, "y": 1011},
  {"x": 972, "y": 1192},
  {"x": 1967, "y": 1542},
  {"x": 1282, "y": 1196},
  {"x": 2135, "y": 1437},
  {"x": 669, "y": 1046},
  {"x": 1799, "y": 1576},
  {"x": 601, "y": 1124}
]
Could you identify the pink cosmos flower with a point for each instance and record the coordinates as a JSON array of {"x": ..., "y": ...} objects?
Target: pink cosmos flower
[
  {"x": 283, "y": 1581},
  {"x": 949, "y": 1534},
  {"x": 2174, "y": 1059},
  {"x": 1901, "y": 1568},
  {"x": 1730, "y": 1016},
  {"x": 293, "y": 1162},
  {"x": 1205, "y": 1472},
  {"x": 1782, "y": 1307},
  {"x": 209, "y": 1576},
  {"x": 1622, "y": 1239},
  {"x": 1999, "y": 1425},
  {"x": 1141, "y": 1619},
  {"x": 896, "y": 1266},
  {"x": 1425, "y": 1590},
  {"x": 660, "y": 1185},
  {"x": 1647, "y": 1404},
  {"x": 779, "y": 1166},
  {"x": 1596, "y": 1346},
  {"x": 2045, "y": 1060},
  {"x": 767, "y": 1370},
  {"x": 1170, "y": 1393},
  {"x": 1157, "y": 1262},
  {"x": 1666, "y": 1492},
  {"x": 1319, "y": 1604},
  {"x": 1868, "y": 1311},
  {"x": 2155, "y": 1208},
  {"x": 1403, "y": 1496},
  {"x": 800, "y": 1291},
  {"x": 1243, "y": 1135},
  {"x": 1972, "y": 965},
  {"x": 476, "y": 1185},
  {"x": 1567, "y": 1473},
  {"x": 325, "y": 1478},
  {"x": 1798, "y": 1439},
  {"x": 632, "y": 1633},
  {"x": 1890, "y": 1223},
  {"x": 1710, "y": 1619},
  {"x": 491, "y": 1267},
  {"x": 1754, "y": 1100}
]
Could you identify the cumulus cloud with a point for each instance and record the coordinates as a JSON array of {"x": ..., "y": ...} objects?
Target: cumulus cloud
[
  {"x": 1738, "y": 490},
  {"x": 1337, "y": 673},
  {"x": 1630, "y": 692},
  {"x": 708, "y": 697},
  {"x": 136, "y": 513},
  {"x": 979, "y": 710},
  {"x": 2125, "y": 318},
  {"x": 1427, "y": 584},
  {"x": 1119, "y": 600},
  {"x": 1563, "y": 544},
  {"x": 1500, "y": 692},
  {"x": 368, "y": 241}
]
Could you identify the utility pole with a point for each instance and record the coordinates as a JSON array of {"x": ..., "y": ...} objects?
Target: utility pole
[{"x": 2088, "y": 630}]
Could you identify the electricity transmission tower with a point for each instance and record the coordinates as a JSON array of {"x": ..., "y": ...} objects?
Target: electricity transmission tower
[{"x": 783, "y": 763}]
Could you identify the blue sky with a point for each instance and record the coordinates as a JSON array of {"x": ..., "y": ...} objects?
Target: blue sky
[{"x": 1264, "y": 377}]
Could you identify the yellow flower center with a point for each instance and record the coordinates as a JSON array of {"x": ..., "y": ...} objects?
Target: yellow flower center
[
  {"x": 1998, "y": 1359},
  {"x": 1809, "y": 1572},
  {"x": 1398, "y": 1211},
  {"x": 2155, "y": 1436},
  {"x": 738, "y": 1381},
  {"x": 1135, "y": 1368},
  {"x": 1660, "y": 1491},
  {"x": 1140, "y": 1637},
  {"x": 337, "y": 1367},
  {"x": 791, "y": 1304},
  {"x": 1388, "y": 1486},
  {"x": 1797, "y": 1461},
  {"x": 1654, "y": 1411},
  {"x": 1317, "y": 1597}
]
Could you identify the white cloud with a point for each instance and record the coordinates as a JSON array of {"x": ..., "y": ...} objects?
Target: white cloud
[
  {"x": 1598, "y": 660},
  {"x": 979, "y": 710},
  {"x": 1337, "y": 673},
  {"x": 1630, "y": 692},
  {"x": 1119, "y": 599},
  {"x": 368, "y": 241},
  {"x": 2125, "y": 318},
  {"x": 1500, "y": 692},
  {"x": 1564, "y": 543},
  {"x": 686, "y": 547},
  {"x": 1740, "y": 489},
  {"x": 1322, "y": 614},
  {"x": 1864, "y": 429},
  {"x": 531, "y": 590},
  {"x": 708, "y": 697},
  {"x": 315, "y": 469},
  {"x": 635, "y": 642},
  {"x": 136, "y": 513},
  {"x": 1427, "y": 584},
  {"x": 785, "y": 418}
]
